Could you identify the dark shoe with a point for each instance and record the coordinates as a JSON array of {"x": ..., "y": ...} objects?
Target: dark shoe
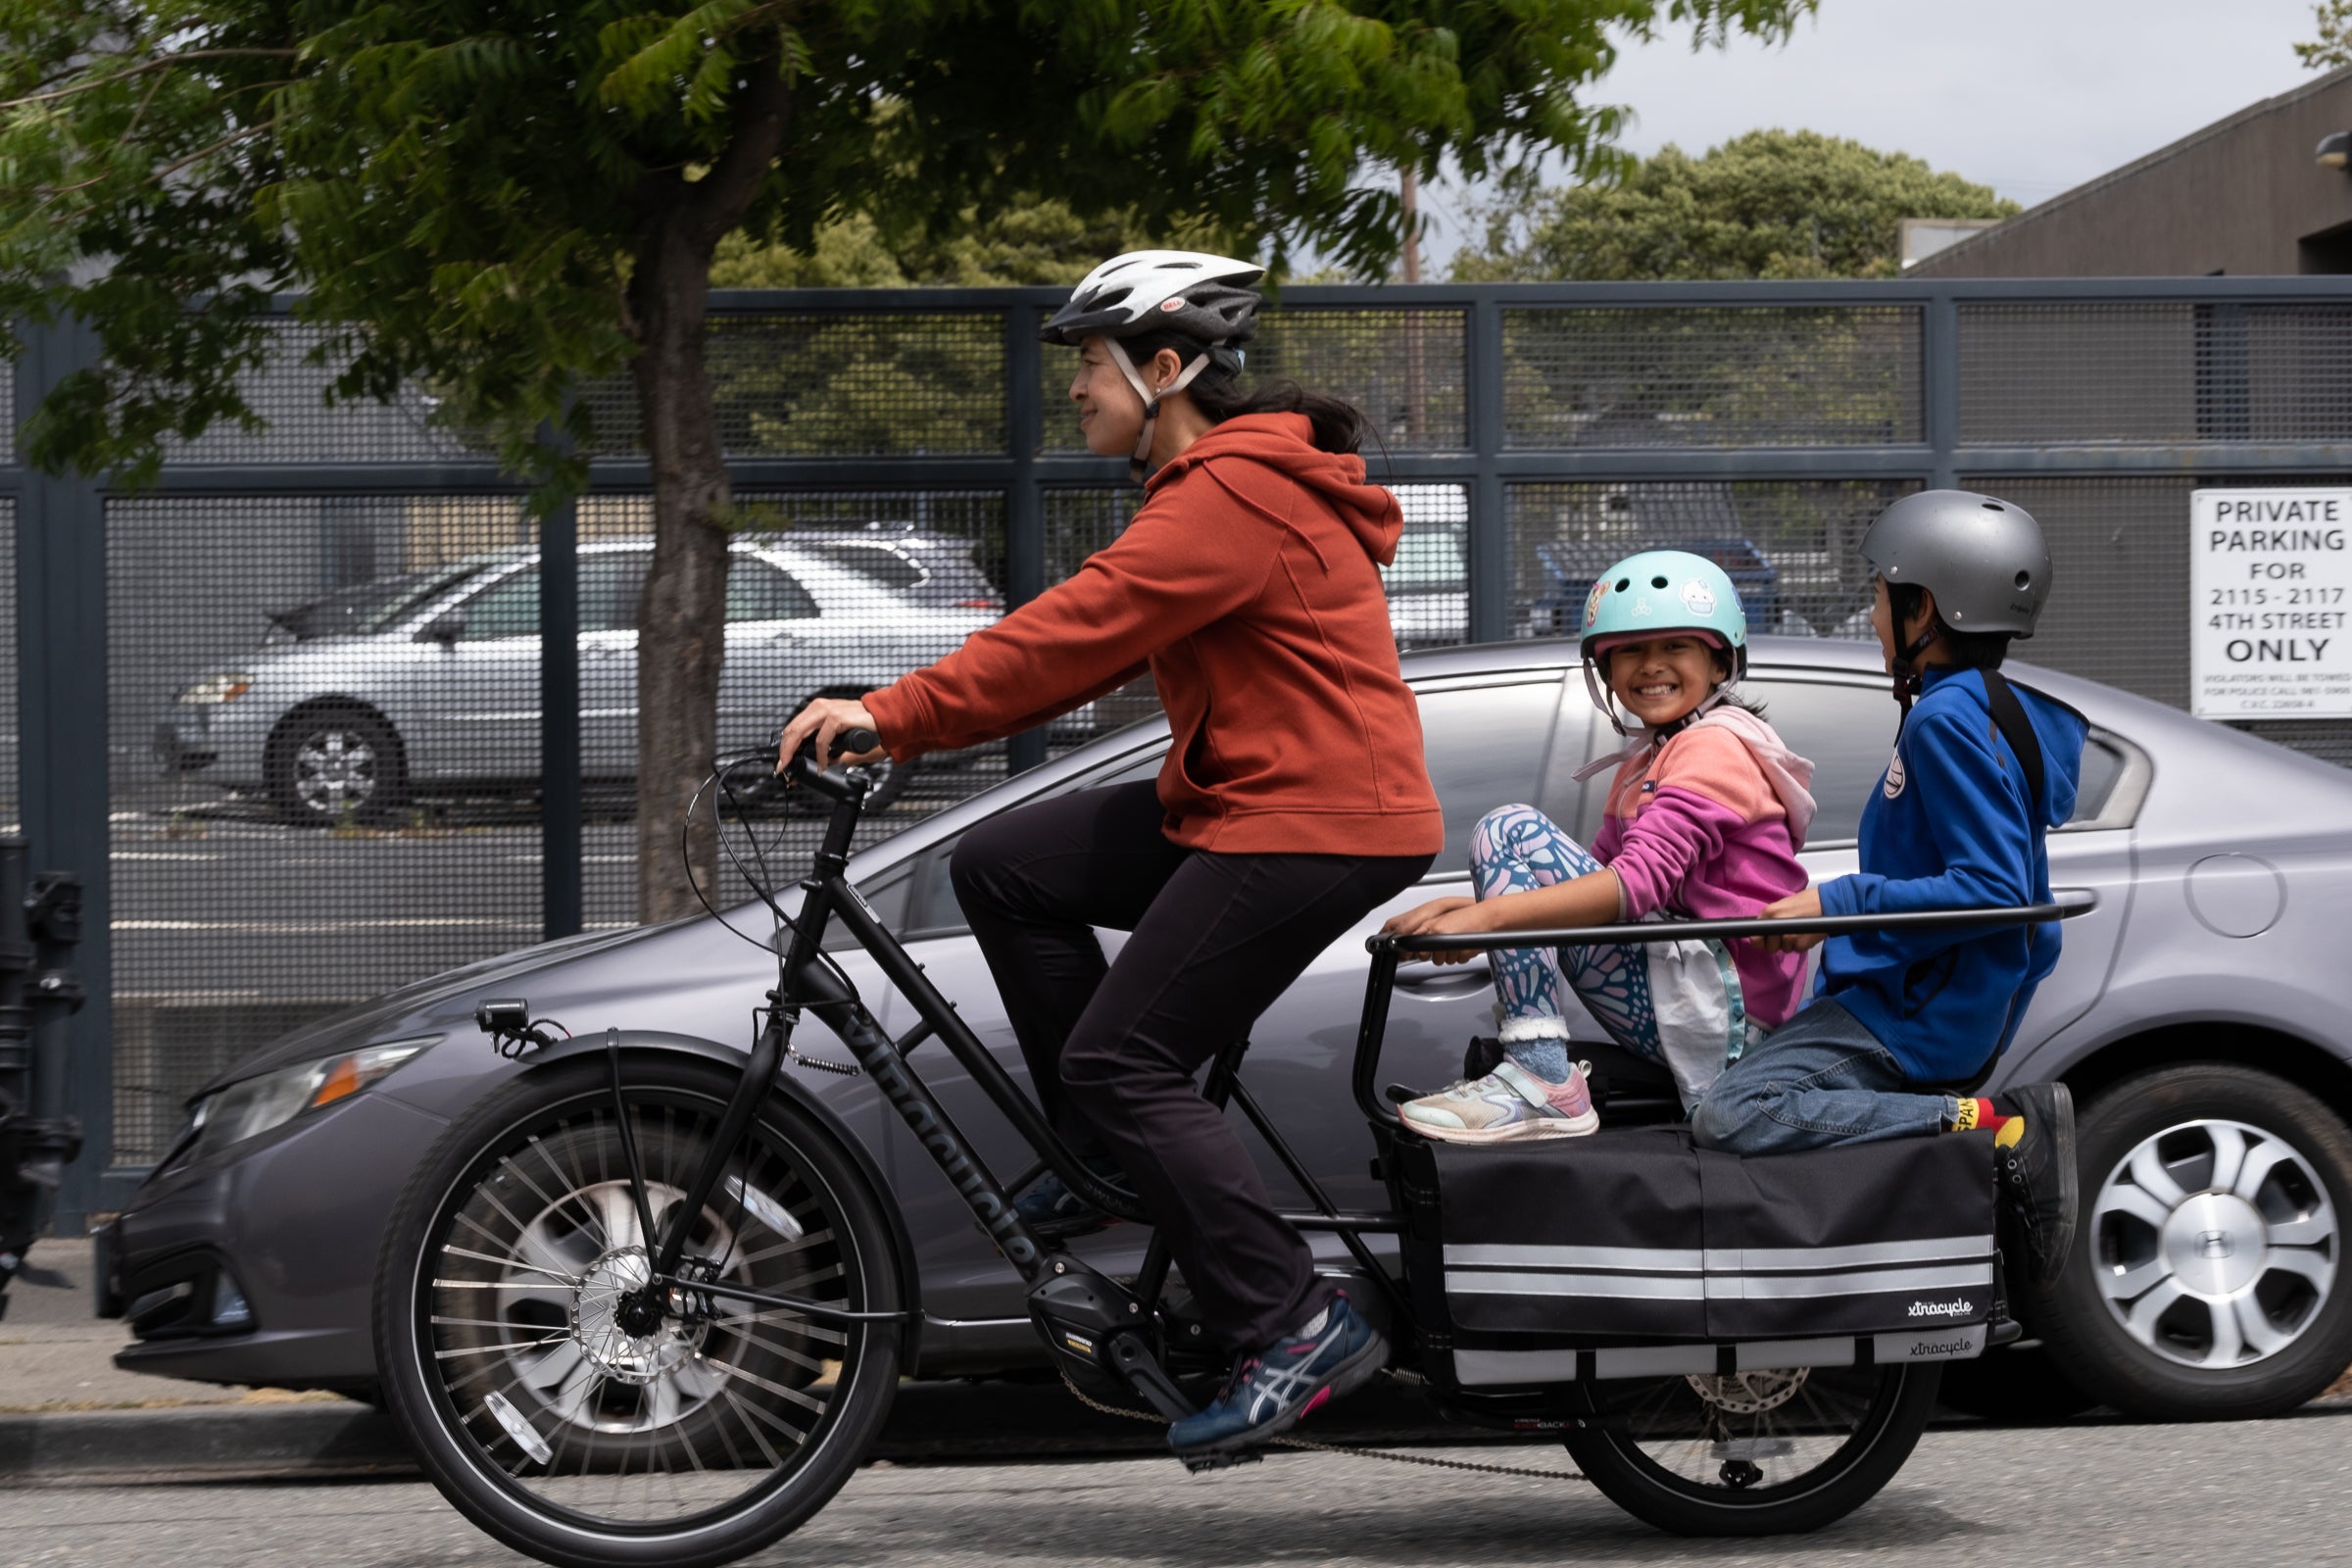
[
  {"x": 1056, "y": 1214},
  {"x": 2035, "y": 1156},
  {"x": 1333, "y": 1353}
]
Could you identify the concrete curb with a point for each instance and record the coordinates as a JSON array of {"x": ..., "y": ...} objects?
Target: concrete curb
[{"x": 98, "y": 1448}]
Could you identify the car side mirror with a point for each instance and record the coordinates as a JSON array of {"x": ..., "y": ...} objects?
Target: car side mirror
[{"x": 444, "y": 628}]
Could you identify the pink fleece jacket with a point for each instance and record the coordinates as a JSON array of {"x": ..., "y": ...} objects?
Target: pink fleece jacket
[{"x": 1708, "y": 822}]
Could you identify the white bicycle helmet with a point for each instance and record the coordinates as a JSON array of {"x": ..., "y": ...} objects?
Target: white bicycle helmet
[{"x": 1191, "y": 293}]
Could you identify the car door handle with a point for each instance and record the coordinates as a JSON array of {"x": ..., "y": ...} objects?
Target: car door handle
[{"x": 1433, "y": 983}]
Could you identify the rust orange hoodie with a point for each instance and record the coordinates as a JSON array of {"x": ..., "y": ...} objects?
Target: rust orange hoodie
[{"x": 1249, "y": 585}]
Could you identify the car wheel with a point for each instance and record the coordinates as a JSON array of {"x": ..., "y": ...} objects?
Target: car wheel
[
  {"x": 2207, "y": 1276},
  {"x": 334, "y": 765}
]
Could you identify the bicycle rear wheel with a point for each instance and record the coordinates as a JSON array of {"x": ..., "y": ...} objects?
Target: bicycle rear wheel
[
  {"x": 1756, "y": 1453},
  {"x": 573, "y": 1430}
]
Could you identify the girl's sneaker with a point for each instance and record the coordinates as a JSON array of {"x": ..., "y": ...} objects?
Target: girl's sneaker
[{"x": 1506, "y": 1104}]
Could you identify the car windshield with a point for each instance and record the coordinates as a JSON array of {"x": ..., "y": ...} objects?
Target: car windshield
[{"x": 366, "y": 609}]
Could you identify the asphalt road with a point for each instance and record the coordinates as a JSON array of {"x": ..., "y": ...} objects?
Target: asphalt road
[{"x": 2245, "y": 1495}]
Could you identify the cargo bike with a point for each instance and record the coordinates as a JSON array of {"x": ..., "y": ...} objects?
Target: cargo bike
[{"x": 646, "y": 1305}]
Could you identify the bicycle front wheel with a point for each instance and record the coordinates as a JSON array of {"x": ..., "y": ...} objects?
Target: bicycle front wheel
[{"x": 581, "y": 1419}]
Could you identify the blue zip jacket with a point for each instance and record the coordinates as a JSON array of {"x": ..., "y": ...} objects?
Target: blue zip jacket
[{"x": 1950, "y": 829}]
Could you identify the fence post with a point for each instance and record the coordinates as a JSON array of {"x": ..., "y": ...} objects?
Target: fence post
[
  {"x": 62, "y": 742},
  {"x": 1940, "y": 388},
  {"x": 560, "y": 720},
  {"x": 1024, "y": 503},
  {"x": 1489, "y": 576}
]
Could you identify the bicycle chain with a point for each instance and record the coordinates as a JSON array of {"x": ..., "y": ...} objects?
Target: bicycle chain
[{"x": 1309, "y": 1443}]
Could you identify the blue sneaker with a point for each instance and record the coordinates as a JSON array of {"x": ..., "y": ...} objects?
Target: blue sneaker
[
  {"x": 1332, "y": 1353},
  {"x": 1056, "y": 1214}
]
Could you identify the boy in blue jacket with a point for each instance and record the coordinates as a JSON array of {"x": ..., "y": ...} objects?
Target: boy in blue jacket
[{"x": 1904, "y": 1021}]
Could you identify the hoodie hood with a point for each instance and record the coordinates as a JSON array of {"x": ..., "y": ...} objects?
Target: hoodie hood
[
  {"x": 1789, "y": 775},
  {"x": 1285, "y": 442}
]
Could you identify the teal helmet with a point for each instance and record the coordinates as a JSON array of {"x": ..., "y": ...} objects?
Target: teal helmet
[{"x": 1664, "y": 590}]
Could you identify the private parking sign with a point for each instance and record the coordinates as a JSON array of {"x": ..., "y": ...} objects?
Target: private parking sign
[{"x": 2271, "y": 577}]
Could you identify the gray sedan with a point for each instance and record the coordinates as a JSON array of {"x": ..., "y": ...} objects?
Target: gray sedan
[
  {"x": 2199, "y": 1015},
  {"x": 358, "y": 700}
]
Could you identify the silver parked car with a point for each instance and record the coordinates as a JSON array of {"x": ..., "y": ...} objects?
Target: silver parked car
[
  {"x": 2198, "y": 1013},
  {"x": 356, "y": 702}
]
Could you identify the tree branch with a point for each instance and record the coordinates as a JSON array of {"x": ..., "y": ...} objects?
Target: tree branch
[
  {"x": 170, "y": 169},
  {"x": 161, "y": 62},
  {"x": 715, "y": 203}
]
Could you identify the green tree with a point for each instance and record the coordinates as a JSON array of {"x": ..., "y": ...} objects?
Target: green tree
[
  {"x": 510, "y": 198},
  {"x": 1769, "y": 204},
  {"x": 2333, "y": 46}
]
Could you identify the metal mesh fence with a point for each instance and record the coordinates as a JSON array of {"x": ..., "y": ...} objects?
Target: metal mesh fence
[
  {"x": 2090, "y": 371},
  {"x": 324, "y": 758},
  {"x": 288, "y": 393},
  {"x": 1791, "y": 547},
  {"x": 11, "y": 731},
  {"x": 313, "y": 797},
  {"x": 2119, "y": 609},
  {"x": 1404, "y": 369},
  {"x": 839, "y": 384},
  {"x": 1711, "y": 376}
]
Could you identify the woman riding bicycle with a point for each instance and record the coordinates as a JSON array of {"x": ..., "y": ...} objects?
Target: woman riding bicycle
[{"x": 1294, "y": 800}]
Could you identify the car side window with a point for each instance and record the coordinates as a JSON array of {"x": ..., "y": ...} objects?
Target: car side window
[
  {"x": 1486, "y": 747},
  {"x": 612, "y": 581},
  {"x": 760, "y": 590},
  {"x": 1849, "y": 733},
  {"x": 508, "y": 608}
]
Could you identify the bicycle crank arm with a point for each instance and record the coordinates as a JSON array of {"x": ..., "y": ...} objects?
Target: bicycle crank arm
[
  {"x": 814, "y": 1311},
  {"x": 1102, "y": 1336}
]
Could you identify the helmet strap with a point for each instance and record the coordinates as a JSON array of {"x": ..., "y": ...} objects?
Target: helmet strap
[
  {"x": 1141, "y": 464},
  {"x": 1906, "y": 671}
]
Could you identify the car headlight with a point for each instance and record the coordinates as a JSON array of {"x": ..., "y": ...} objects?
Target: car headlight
[
  {"x": 250, "y": 1108},
  {"x": 217, "y": 689}
]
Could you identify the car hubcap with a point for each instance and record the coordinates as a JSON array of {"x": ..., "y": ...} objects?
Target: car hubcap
[
  {"x": 334, "y": 771},
  {"x": 2215, "y": 1243}
]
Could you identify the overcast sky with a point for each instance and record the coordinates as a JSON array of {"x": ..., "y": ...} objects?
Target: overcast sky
[{"x": 2028, "y": 96}]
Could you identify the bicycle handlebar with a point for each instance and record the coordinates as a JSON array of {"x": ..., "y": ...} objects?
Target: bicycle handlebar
[{"x": 1688, "y": 930}]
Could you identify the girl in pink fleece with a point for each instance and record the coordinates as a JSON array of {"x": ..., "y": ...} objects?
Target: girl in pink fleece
[{"x": 1705, "y": 816}]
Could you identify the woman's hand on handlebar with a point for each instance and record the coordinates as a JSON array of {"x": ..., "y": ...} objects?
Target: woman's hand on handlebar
[
  {"x": 821, "y": 720},
  {"x": 1805, "y": 905},
  {"x": 1440, "y": 917}
]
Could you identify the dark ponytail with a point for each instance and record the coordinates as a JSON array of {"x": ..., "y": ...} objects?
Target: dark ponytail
[{"x": 1338, "y": 425}]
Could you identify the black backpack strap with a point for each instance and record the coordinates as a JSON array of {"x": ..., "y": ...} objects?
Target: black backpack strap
[{"x": 2009, "y": 717}]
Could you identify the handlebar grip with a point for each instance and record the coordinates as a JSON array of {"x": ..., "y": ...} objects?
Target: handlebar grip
[{"x": 855, "y": 741}]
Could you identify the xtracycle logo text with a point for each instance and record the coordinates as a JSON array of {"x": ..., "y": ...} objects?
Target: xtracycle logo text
[{"x": 1938, "y": 1308}]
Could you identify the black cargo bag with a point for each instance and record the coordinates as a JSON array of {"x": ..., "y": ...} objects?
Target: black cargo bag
[{"x": 1633, "y": 1253}]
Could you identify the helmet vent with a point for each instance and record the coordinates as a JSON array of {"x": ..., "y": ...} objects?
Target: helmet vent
[
  {"x": 1624, "y": 583},
  {"x": 1657, "y": 582},
  {"x": 2025, "y": 579},
  {"x": 1995, "y": 505}
]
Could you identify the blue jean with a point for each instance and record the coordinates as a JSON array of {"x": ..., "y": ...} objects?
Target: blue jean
[{"x": 1817, "y": 1081}]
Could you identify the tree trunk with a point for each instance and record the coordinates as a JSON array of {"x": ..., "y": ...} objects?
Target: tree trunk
[
  {"x": 681, "y": 622},
  {"x": 682, "y": 619}
]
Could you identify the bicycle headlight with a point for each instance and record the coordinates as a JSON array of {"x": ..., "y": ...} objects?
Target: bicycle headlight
[
  {"x": 250, "y": 1108},
  {"x": 217, "y": 689}
]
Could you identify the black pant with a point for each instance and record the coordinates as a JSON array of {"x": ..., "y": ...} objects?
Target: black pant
[{"x": 1112, "y": 1049}]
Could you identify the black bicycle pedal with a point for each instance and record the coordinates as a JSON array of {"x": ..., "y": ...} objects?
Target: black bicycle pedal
[{"x": 1198, "y": 1463}]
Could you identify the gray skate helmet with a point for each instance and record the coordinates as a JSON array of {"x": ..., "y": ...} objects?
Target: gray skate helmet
[{"x": 1982, "y": 558}]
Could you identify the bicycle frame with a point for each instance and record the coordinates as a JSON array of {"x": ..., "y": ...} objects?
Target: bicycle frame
[{"x": 1115, "y": 1321}]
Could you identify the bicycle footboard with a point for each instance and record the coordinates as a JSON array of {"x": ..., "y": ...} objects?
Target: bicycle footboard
[{"x": 1631, "y": 1253}]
